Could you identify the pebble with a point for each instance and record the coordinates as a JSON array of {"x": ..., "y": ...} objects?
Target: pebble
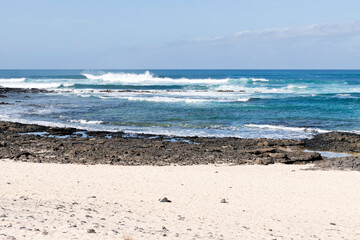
[
  {"x": 165, "y": 199},
  {"x": 91, "y": 230},
  {"x": 224, "y": 201}
]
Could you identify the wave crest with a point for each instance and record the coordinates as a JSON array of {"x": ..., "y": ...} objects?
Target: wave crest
[
  {"x": 148, "y": 78},
  {"x": 82, "y": 121},
  {"x": 284, "y": 128}
]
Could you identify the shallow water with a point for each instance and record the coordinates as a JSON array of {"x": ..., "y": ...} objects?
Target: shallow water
[{"x": 237, "y": 103}]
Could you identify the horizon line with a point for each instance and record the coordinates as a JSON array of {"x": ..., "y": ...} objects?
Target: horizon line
[{"x": 201, "y": 69}]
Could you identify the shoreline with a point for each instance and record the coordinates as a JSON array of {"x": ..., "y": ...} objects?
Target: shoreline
[
  {"x": 59, "y": 183},
  {"x": 35, "y": 143},
  {"x": 26, "y": 98}
]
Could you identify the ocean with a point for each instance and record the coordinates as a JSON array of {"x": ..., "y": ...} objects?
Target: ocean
[{"x": 291, "y": 104}]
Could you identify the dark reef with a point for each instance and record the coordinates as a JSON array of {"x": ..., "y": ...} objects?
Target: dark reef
[{"x": 34, "y": 143}]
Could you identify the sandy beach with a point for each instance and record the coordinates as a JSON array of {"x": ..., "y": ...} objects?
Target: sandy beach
[
  {"x": 179, "y": 120},
  {"x": 69, "y": 201}
]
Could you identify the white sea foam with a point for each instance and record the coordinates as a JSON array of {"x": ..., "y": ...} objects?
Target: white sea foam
[
  {"x": 173, "y": 99},
  {"x": 82, "y": 121},
  {"x": 158, "y": 99},
  {"x": 289, "y": 89},
  {"x": 67, "y": 84},
  {"x": 346, "y": 96},
  {"x": 11, "y": 80},
  {"x": 242, "y": 99},
  {"x": 284, "y": 128},
  {"x": 343, "y": 95},
  {"x": 148, "y": 78},
  {"x": 259, "y": 79},
  {"x": 33, "y": 83},
  {"x": 30, "y": 85},
  {"x": 233, "y": 100},
  {"x": 293, "y": 86}
]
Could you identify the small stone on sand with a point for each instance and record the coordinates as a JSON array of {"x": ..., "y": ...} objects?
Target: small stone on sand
[
  {"x": 224, "y": 200},
  {"x": 165, "y": 199}
]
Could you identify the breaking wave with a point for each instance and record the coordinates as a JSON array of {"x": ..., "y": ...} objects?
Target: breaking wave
[
  {"x": 173, "y": 100},
  {"x": 148, "y": 78},
  {"x": 82, "y": 121},
  {"x": 284, "y": 128}
]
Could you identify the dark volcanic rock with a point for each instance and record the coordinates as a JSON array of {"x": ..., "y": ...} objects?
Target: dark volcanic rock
[
  {"x": 301, "y": 157},
  {"x": 334, "y": 141},
  {"x": 120, "y": 149},
  {"x": 9, "y": 128},
  {"x": 4, "y": 91},
  {"x": 344, "y": 163},
  {"x": 61, "y": 131}
]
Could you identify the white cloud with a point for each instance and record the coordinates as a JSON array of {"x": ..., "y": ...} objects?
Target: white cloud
[{"x": 330, "y": 30}]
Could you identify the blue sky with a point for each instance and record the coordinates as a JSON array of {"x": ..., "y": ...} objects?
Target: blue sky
[{"x": 179, "y": 34}]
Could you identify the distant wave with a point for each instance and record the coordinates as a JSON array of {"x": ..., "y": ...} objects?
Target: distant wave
[
  {"x": 11, "y": 80},
  {"x": 30, "y": 85},
  {"x": 291, "y": 88},
  {"x": 259, "y": 79},
  {"x": 80, "y": 76},
  {"x": 173, "y": 99},
  {"x": 82, "y": 121},
  {"x": 284, "y": 128},
  {"x": 148, "y": 78},
  {"x": 346, "y": 96}
]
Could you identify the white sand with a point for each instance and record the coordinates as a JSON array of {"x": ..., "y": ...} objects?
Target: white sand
[{"x": 264, "y": 202}]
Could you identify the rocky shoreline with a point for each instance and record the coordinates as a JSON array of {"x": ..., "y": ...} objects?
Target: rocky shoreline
[{"x": 34, "y": 143}]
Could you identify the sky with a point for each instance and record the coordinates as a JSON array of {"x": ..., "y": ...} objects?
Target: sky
[{"x": 179, "y": 34}]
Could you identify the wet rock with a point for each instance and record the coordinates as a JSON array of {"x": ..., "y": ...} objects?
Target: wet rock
[
  {"x": 344, "y": 163},
  {"x": 277, "y": 155},
  {"x": 335, "y": 142},
  {"x": 61, "y": 131},
  {"x": 262, "y": 151},
  {"x": 264, "y": 161},
  {"x": 300, "y": 157},
  {"x": 143, "y": 149}
]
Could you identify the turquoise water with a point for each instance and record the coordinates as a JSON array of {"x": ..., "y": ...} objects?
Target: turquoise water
[{"x": 238, "y": 103}]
